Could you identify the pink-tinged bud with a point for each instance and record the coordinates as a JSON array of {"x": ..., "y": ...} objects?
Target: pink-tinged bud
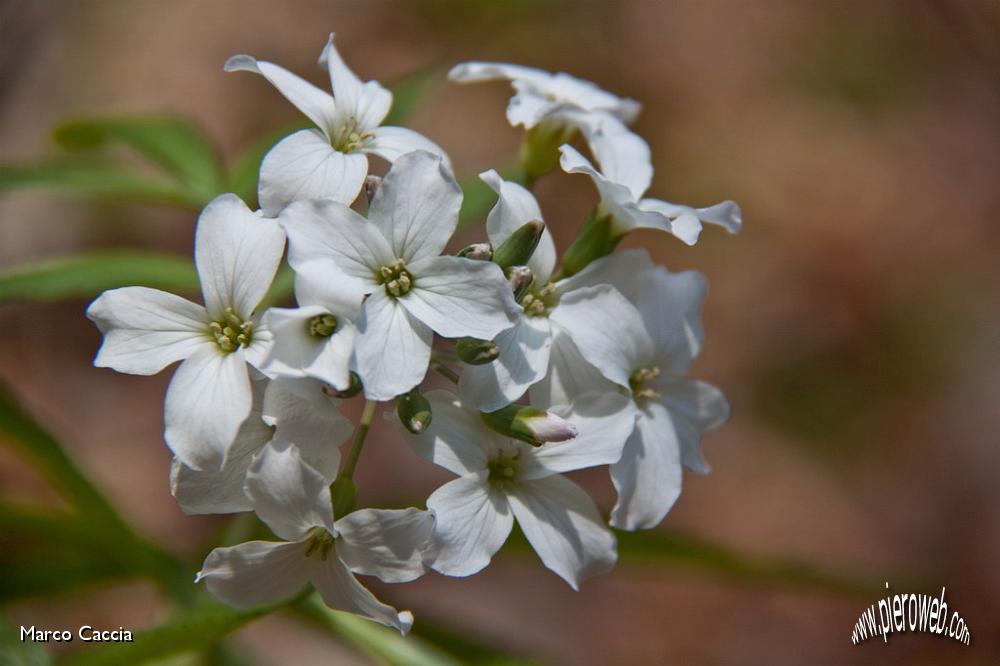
[{"x": 529, "y": 424}]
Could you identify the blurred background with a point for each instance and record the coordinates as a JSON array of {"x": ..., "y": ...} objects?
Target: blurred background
[{"x": 854, "y": 324}]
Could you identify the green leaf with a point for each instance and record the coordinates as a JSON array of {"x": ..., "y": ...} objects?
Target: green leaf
[
  {"x": 179, "y": 147},
  {"x": 113, "y": 183},
  {"x": 86, "y": 275},
  {"x": 15, "y": 653},
  {"x": 374, "y": 640},
  {"x": 192, "y": 629}
]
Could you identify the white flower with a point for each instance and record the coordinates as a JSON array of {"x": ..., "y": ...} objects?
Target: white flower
[
  {"x": 236, "y": 253},
  {"x": 621, "y": 184},
  {"x": 394, "y": 254},
  {"x": 317, "y": 338},
  {"x": 330, "y": 162},
  {"x": 539, "y": 94},
  {"x": 294, "y": 501},
  {"x": 501, "y": 479},
  {"x": 297, "y": 411},
  {"x": 646, "y": 350}
]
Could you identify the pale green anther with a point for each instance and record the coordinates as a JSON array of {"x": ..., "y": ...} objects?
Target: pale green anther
[
  {"x": 540, "y": 302},
  {"x": 503, "y": 468},
  {"x": 320, "y": 542},
  {"x": 231, "y": 332},
  {"x": 637, "y": 382},
  {"x": 322, "y": 326},
  {"x": 395, "y": 278},
  {"x": 347, "y": 138}
]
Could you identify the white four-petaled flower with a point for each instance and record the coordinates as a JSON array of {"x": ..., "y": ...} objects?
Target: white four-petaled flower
[
  {"x": 330, "y": 162},
  {"x": 237, "y": 253}
]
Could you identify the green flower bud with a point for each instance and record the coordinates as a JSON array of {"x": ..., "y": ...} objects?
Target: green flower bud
[
  {"x": 529, "y": 424},
  {"x": 343, "y": 494},
  {"x": 598, "y": 238},
  {"x": 353, "y": 388},
  {"x": 475, "y": 351},
  {"x": 414, "y": 411},
  {"x": 518, "y": 248},
  {"x": 482, "y": 251}
]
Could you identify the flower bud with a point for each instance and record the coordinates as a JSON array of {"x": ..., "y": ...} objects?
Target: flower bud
[
  {"x": 475, "y": 351},
  {"x": 519, "y": 246},
  {"x": 529, "y": 424},
  {"x": 343, "y": 494},
  {"x": 520, "y": 279},
  {"x": 481, "y": 251},
  {"x": 353, "y": 388},
  {"x": 414, "y": 411},
  {"x": 371, "y": 186},
  {"x": 598, "y": 237}
]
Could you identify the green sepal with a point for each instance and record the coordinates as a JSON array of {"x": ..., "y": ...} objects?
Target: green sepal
[
  {"x": 343, "y": 494},
  {"x": 519, "y": 246},
  {"x": 598, "y": 238},
  {"x": 474, "y": 351}
]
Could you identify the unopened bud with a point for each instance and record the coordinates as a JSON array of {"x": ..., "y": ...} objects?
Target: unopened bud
[
  {"x": 529, "y": 424},
  {"x": 521, "y": 279},
  {"x": 371, "y": 186},
  {"x": 354, "y": 387},
  {"x": 343, "y": 494},
  {"x": 475, "y": 351},
  {"x": 414, "y": 411},
  {"x": 481, "y": 251},
  {"x": 519, "y": 246}
]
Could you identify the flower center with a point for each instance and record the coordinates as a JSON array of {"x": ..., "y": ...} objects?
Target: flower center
[
  {"x": 320, "y": 541},
  {"x": 638, "y": 379},
  {"x": 395, "y": 278},
  {"x": 540, "y": 302},
  {"x": 231, "y": 332},
  {"x": 347, "y": 138},
  {"x": 503, "y": 468},
  {"x": 322, "y": 326}
]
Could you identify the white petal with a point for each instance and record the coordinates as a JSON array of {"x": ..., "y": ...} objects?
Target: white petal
[
  {"x": 327, "y": 232},
  {"x": 685, "y": 222},
  {"x": 475, "y": 71},
  {"x": 296, "y": 353},
  {"x": 695, "y": 407},
  {"x": 237, "y": 254},
  {"x": 416, "y": 206},
  {"x": 456, "y": 439},
  {"x": 304, "y": 165},
  {"x": 305, "y": 416},
  {"x": 528, "y": 108},
  {"x": 671, "y": 309},
  {"x": 221, "y": 491},
  {"x": 515, "y": 207},
  {"x": 317, "y": 104},
  {"x": 209, "y": 397},
  {"x": 625, "y": 270},
  {"x": 342, "y": 591},
  {"x": 607, "y": 329},
  {"x": 523, "y": 361},
  {"x": 603, "y": 422},
  {"x": 393, "y": 348},
  {"x": 624, "y": 156},
  {"x": 341, "y": 295},
  {"x": 456, "y": 297},
  {"x": 365, "y": 103},
  {"x": 569, "y": 376},
  {"x": 562, "y": 524},
  {"x": 145, "y": 330},
  {"x": 648, "y": 477},
  {"x": 387, "y": 544},
  {"x": 472, "y": 521},
  {"x": 287, "y": 494},
  {"x": 391, "y": 143},
  {"x": 254, "y": 573}
]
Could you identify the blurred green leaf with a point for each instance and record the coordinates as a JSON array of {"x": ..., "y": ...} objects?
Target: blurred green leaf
[
  {"x": 192, "y": 629},
  {"x": 179, "y": 147},
  {"x": 115, "y": 183},
  {"x": 374, "y": 640},
  {"x": 407, "y": 94},
  {"x": 15, "y": 653},
  {"x": 465, "y": 647},
  {"x": 86, "y": 275},
  {"x": 280, "y": 293},
  {"x": 242, "y": 179}
]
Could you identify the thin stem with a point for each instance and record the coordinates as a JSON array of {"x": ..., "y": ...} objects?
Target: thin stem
[
  {"x": 444, "y": 371},
  {"x": 359, "y": 439}
]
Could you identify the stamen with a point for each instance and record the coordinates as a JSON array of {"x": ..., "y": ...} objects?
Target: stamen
[
  {"x": 322, "y": 326},
  {"x": 231, "y": 332},
  {"x": 395, "y": 278}
]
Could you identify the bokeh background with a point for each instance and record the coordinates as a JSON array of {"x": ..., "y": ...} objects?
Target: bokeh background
[{"x": 854, "y": 324}]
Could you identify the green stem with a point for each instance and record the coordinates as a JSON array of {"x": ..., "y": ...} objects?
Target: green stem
[
  {"x": 444, "y": 371},
  {"x": 359, "y": 439}
]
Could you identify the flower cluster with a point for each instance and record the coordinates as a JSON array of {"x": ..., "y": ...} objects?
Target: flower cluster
[{"x": 558, "y": 364}]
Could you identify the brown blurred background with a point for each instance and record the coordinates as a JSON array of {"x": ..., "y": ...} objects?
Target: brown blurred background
[{"x": 855, "y": 324}]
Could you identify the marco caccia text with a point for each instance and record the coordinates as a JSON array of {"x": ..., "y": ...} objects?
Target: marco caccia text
[{"x": 86, "y": 633}]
